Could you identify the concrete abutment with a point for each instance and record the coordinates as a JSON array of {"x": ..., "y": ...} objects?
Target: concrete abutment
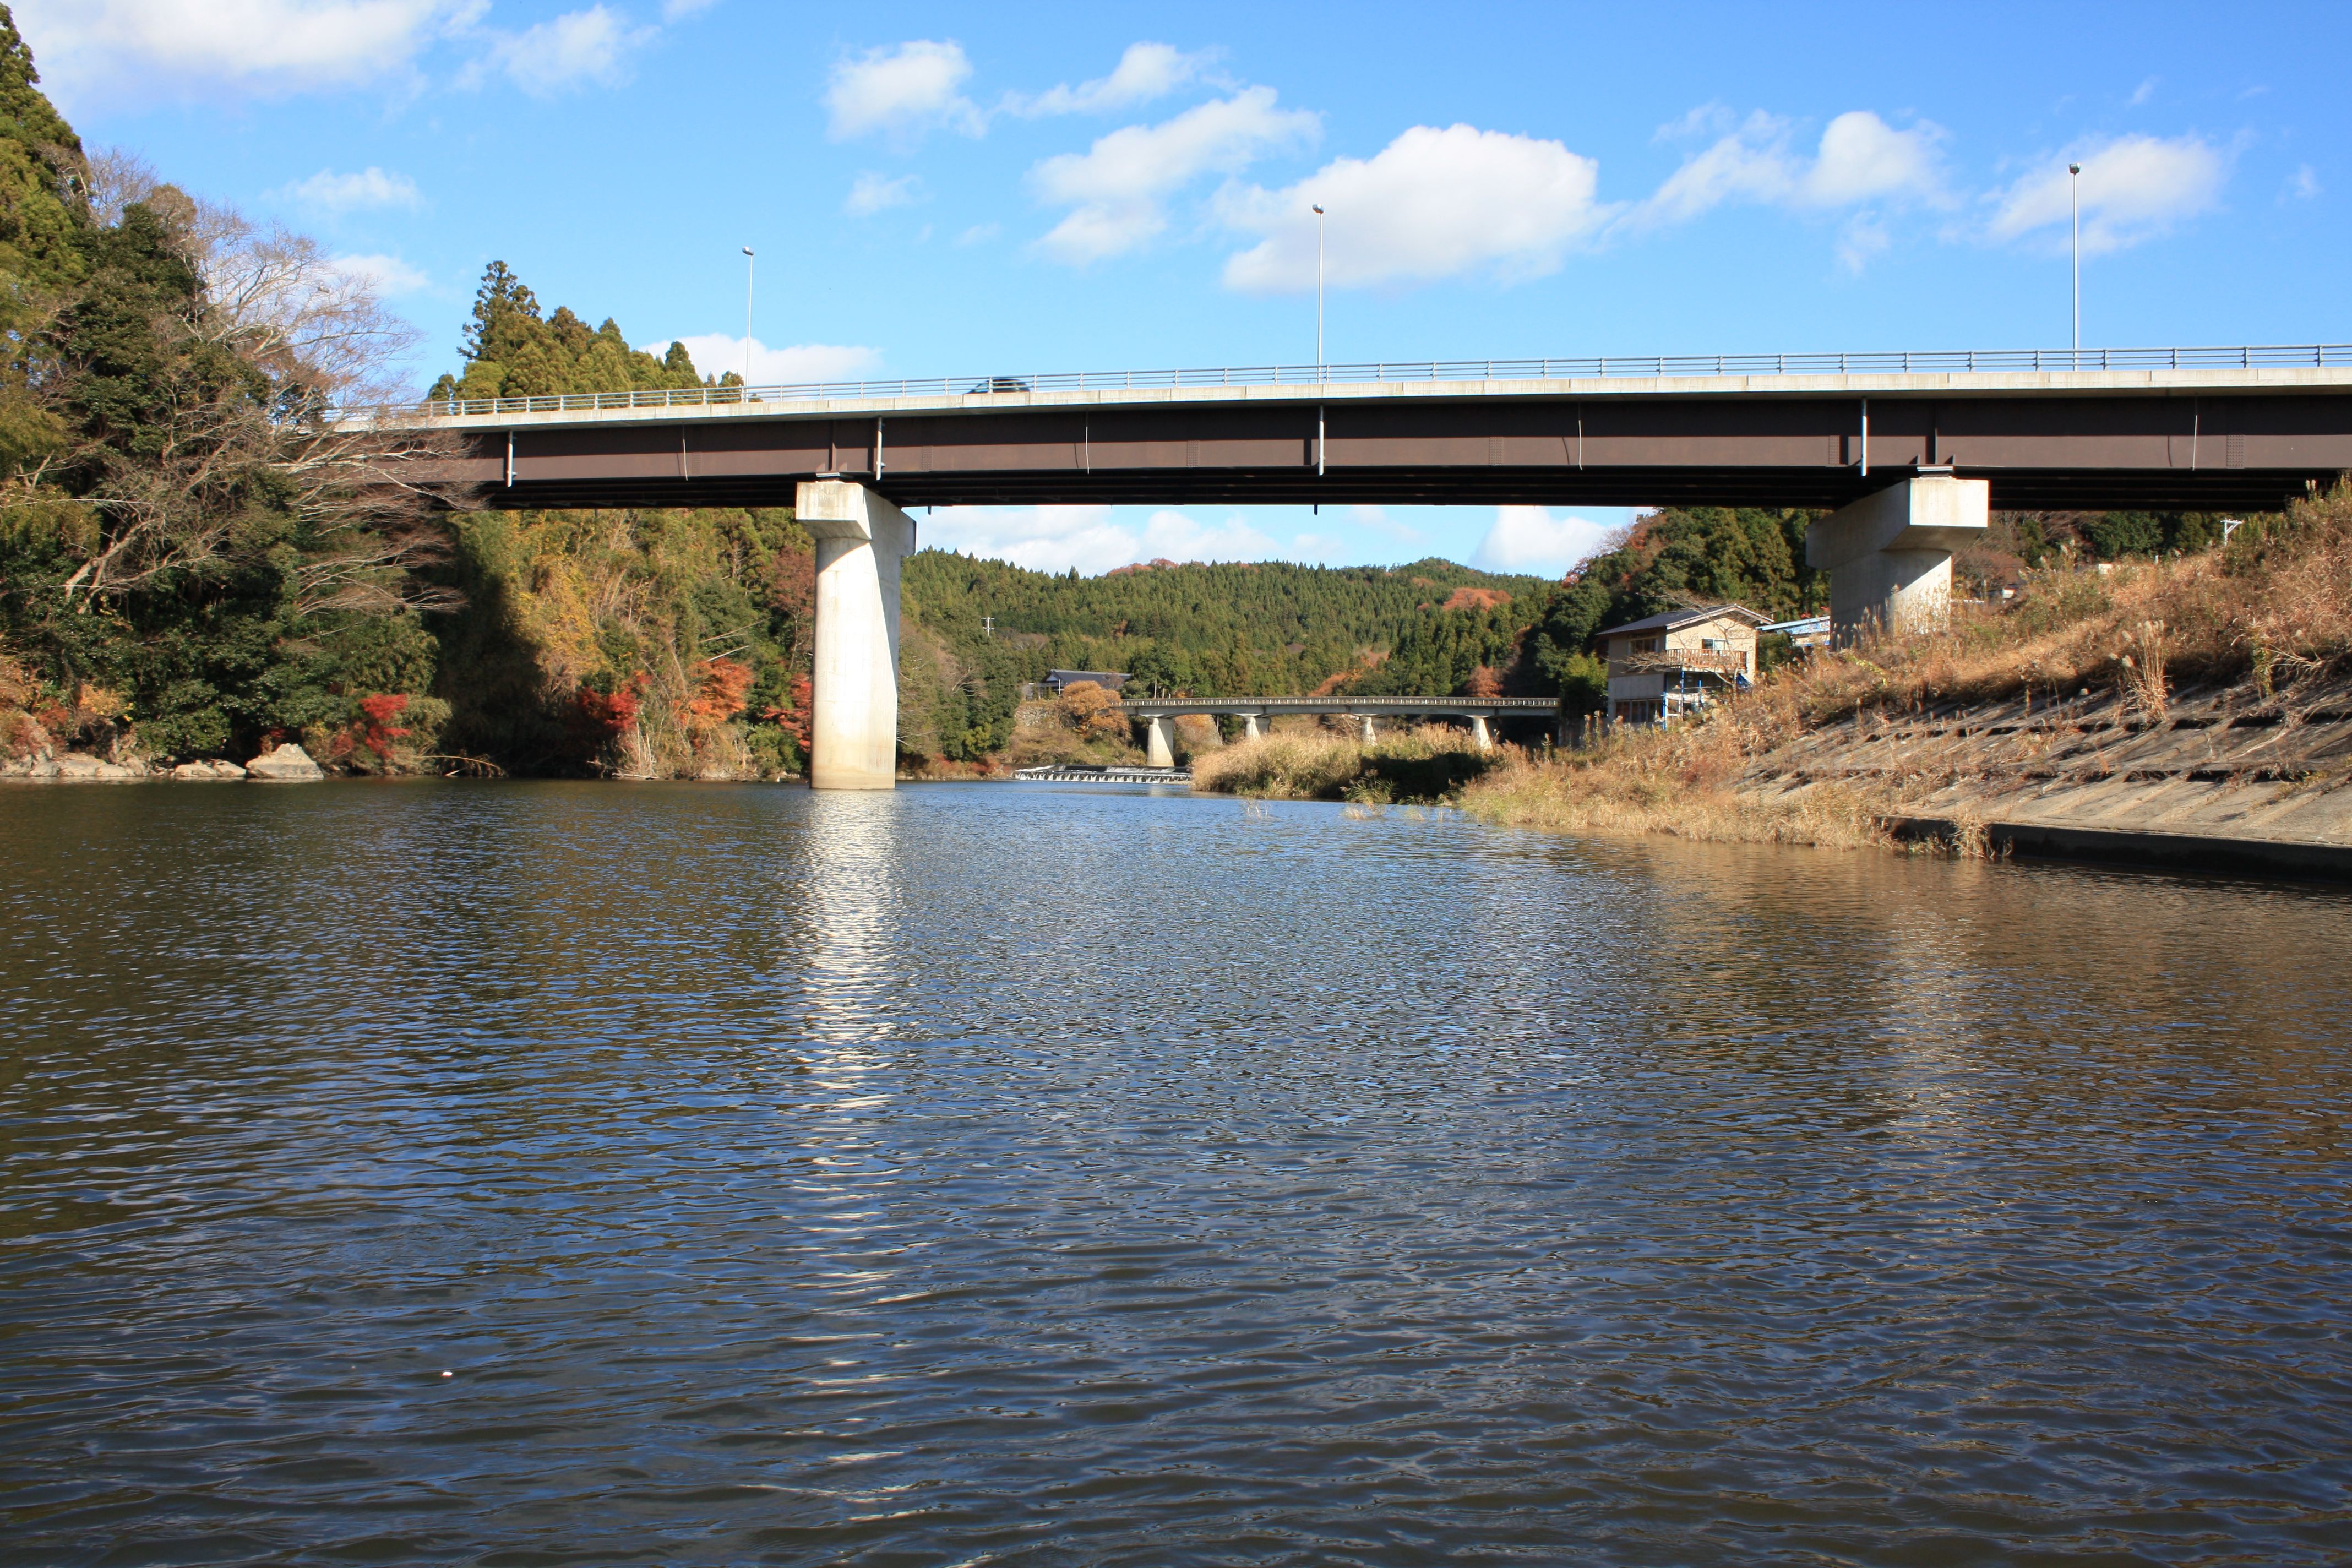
[{"x": 1889, "y": 555}]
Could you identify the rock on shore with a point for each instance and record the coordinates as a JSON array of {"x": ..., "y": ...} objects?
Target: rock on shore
[
  {"x": 73, "y": 767},
  {"x": 208, "y": 770},
  {"x": 290, "y": 763}
]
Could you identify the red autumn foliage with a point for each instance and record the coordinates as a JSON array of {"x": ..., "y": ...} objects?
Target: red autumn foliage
[
  {"x": 719, "y": 687},
  {"x": 792, "y": 584},
  {"x": 1469, "y": 598},
  {"x": 599, "y": 718},
  {"x": 372, "y": 731},
  {"x": 1483, "y": 682},
  {"x": 794, "y": 719},
  {"x": 375, "y": 729}
]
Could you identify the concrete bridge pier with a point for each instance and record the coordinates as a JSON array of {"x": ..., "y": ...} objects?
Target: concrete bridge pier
[
  {"x": 1158, "y": 747},
  {"x": 1368, "y": 728},
  {"x": 1479, "y": 736},
  {"x": 860, "y": 539},
  {"x": 1889, "y": 555},
  {"x": 1250, "y": 730}
]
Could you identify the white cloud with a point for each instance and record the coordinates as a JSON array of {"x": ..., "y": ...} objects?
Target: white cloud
[
  {"x": 903, "y": 89},
  {"x": 124, "y": 48},
  {"x": 1433, "y": 203},
  {"x": 872, "y": 193},
  {"x": 1862, "y": 239},
  {"x": 979, "y": 233},
  {"x": 1089, "y": 537},
  {"x": 1704, "y": 120},
  {"x": 1751, "y": 163},
  {"x": 1120, "y": 186},
  {"x": 1529, "y": 539},
  {"x": 1176, "y": 537},
  {"x": 1042, "y": 538},
  {"x": 2143, "y": 92},
  {"x": 386, "y": 275},
  {"x": 565, "y": 52},
  {"x": 1144, "y": 72},
  {"x": 370, "y": 187},
  {"x": 2133, "y": 189},
  {"x": 2304, "y": 183},
  {"x": 679, "y": 10},
  {"x": 1860, "y": 158},
  {"x": 1863, "y": 159},
  {"x": 1377, "y": 519},
  {"x": 716, "y": 354}
]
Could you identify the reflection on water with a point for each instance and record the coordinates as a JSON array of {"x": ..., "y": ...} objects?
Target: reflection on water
[{"x": 993, "y": 1175}]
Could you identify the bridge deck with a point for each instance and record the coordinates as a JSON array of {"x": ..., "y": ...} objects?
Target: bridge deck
[{"x": 2153, "y": 430}]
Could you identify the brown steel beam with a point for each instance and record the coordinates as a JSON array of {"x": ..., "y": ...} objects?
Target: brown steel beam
[{"x": 2185, "y": 452}]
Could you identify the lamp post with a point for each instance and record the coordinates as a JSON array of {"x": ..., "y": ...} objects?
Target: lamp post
[
  {"x": 2075, "y": 201},
  {"x": 750, "y": 261},
  {"x": 1319, "y": 293}
]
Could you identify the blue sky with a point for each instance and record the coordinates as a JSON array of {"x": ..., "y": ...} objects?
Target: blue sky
[{"x": 952, "y": 190}]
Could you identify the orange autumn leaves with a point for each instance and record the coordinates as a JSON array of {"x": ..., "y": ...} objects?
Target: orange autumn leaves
[{"x": 720, "y": 686}]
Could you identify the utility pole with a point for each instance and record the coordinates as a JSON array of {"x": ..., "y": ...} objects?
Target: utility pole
[
  {"x": 750, "y": 261},
  {"x": 2075, "y": 197},
  {"x": 1319, "y": 293},
  {"x": 988, "y": 625}
]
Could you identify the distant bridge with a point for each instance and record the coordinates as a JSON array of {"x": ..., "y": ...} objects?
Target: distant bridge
[
  {"x": 1913, "y": 450},
  {"x": 1160, "y": 751}
]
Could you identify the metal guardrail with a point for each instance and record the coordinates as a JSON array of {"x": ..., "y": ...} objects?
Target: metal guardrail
[
  {"x": 993, "y": 387},
  {"x": 1166, "y": 705}
]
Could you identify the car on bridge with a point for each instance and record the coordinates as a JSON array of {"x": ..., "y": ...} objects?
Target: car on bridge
[{"x": 1001, "y": 384}]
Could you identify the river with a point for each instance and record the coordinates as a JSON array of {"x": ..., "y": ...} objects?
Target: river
[{"x": 537, "y": 1173}]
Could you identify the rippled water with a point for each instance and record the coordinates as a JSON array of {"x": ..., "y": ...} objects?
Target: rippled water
[{"x": 978, "y": 1174}]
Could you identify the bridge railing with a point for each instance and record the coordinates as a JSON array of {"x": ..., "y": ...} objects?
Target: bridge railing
[
  {"x": 1149, "y": 705},
  {"x": 1702, "y": 366}
]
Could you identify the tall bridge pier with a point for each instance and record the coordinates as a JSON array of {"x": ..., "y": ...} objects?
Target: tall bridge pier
[{"x": 860, "y": 539}]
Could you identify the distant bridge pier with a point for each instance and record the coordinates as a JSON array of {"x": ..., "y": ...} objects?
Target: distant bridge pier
[
  {"x": 1158, "y": 747},
  {"x": 1889, "y": 555},
  {"x": 1479, "y": 736},
  {"x": 860, "y": 540},
  {"x": 1250, "y": 730},
  {"x": 1368, "y": 728}
]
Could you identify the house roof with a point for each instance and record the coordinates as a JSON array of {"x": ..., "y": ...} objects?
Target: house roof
[{"x": 1669, "y": 620}]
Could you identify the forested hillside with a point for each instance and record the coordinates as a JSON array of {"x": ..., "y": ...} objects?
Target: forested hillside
[
  {"x": 1265, "y": 629},
  {"x": 192, "y": 556}
]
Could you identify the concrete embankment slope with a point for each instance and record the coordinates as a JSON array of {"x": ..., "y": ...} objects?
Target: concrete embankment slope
[{"x": 2227, "y": 779}]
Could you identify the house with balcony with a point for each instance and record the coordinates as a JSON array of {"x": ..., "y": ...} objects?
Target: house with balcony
[{"x": 1663, "y": 667}]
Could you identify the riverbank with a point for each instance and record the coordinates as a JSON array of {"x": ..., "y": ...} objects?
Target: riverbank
[{"x": 2188, "y": 705}]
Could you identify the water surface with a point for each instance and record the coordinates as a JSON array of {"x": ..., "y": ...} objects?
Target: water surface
[{"x": 1022, "y": 1174}]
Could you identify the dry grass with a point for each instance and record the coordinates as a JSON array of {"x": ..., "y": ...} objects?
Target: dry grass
[
  {"x": 2274, "y": 606},
  {"x": 1427, "y": 763},
  {"x": 1680, "y": 782}
]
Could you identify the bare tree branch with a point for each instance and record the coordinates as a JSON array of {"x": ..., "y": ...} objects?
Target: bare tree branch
[{"x": 227, "y": 454}]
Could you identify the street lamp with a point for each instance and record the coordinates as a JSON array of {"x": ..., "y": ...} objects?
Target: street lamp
[
  {"x": 1318, "y": 292},
  {"x": 750, "y": 261},
  {"x": 2074, "y": 198}
]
